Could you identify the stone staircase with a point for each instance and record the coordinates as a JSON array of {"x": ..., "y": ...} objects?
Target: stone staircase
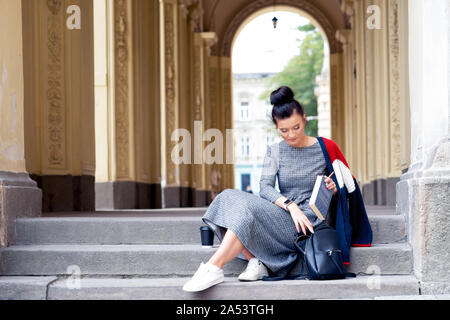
[{"x": 150, "y": 254}]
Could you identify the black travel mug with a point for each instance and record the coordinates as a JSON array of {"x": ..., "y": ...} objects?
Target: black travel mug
[{"x": 207, "y": 236}]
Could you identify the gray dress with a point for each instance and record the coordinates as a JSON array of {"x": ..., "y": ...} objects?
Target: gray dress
[{"x": 265, "y": 229}]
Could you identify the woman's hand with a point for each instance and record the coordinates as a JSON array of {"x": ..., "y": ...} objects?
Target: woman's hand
[
  {"x": 330, "y": 185},
  {"x": 300, "y": 219}
]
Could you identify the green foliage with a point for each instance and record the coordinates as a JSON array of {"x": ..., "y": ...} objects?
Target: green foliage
[{"x": 300, "y": 74}]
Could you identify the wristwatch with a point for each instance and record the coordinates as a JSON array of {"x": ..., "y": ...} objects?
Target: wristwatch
[{"x": 287, "y": 203}]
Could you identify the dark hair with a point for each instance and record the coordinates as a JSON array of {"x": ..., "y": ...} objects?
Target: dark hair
[{"x": 284, "y": 104}]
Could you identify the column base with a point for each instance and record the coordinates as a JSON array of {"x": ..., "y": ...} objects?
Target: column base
[
  {"x": 177, "y": 197},
  {"x": 428, "y": 287},
  {"x": 20, "y": 197},
  {"x": 424, "y": 199},
  {"x": 127, "y": 195},
  {"x": 66, "y": 193}
]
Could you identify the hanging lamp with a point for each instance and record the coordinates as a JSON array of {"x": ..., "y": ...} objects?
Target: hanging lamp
[{"x": 274, "y": 20}]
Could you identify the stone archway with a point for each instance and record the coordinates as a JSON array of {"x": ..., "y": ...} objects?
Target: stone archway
[
  {"x": 302, "y": 5},
  {"x": 328, "y": 29}
]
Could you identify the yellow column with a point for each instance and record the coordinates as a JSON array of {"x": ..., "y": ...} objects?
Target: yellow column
[
  {"x": 201, "y": 55},
  {"x": 127, "y": 104},
  {"x": 344, "y": 36},
  {"x": 214, "y": 114},
  {"x": 12, "y": 146},
  {"x": 227, "y": 122},
  {"x": 19, "y": 195},
  {"x": 170, "y": 172},
  {"x": 220, "y": 101},
  {"x": 337, "y": 90},
  {"x": 146, "y": 105},
  {"x": 115, "y": 134},
  {"x": 359, "y": 28},
  {"x": 59, "y": 102}
]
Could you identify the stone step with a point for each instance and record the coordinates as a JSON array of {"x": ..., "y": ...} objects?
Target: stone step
[
  {"x": 232, "y": 289},
  {"x": 166, "y": 260},
  {"x": 24, "y": 288},
  {"x": 176, "y": 228},
  {"x": 62, "y": 288},
  {"x": 380, "y": 210}
]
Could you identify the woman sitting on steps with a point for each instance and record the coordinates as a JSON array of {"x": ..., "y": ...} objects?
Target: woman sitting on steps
[{"x": 263, "y": 228}]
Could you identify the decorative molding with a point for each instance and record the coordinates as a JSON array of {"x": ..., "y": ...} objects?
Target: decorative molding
[
  {"x": 213, "y": 93},
  {"x": 226, "y": 82},
  {"x": 184, "y": 9},
  {"x": 335, "y": 106},
  {"x": 192, "y": 10},
  {"x": 209, "y": 40},
  {"x": 54, "y": 6},
  {"x": 198, "y": 48},
  {"x": 344, "y": 36},
  {"x": 254, "y": 6},
  {"x": 121, "y": 86},
  {"x": 347, "y": 7},
  {"x": 394, "y": 81},
  {"x": 55, "y": 80},
  {"x": 196, "y": 16},
  {"x": 170, "y": 92}
]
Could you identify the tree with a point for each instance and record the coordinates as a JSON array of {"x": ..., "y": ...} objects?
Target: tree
[{"x": 300, "y": 74}]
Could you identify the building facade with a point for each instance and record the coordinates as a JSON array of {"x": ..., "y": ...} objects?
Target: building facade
[{"x": 253, "y": 128}]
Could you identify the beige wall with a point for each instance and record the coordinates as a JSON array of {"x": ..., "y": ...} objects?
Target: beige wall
[{"x": 11, "y": 88}]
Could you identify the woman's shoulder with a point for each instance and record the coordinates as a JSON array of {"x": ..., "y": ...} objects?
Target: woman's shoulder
[{"x": 274, "y": 146}]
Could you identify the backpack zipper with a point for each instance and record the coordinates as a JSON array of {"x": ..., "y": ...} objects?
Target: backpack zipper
[{"x": 330, "y": 252}]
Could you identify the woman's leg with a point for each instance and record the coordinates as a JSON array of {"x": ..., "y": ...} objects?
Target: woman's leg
[
  {"x": 247, "y": 254},
  {"x": 230, "y": 247}
]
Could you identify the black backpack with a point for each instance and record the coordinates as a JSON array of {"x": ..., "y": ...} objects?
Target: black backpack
[{"x": 321, "y": 254}]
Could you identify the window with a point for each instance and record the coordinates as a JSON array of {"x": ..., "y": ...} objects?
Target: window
[
  {"x": 248, "y": 146},
  {"x": 245, "y": 146},
  {"x": 244, "y": 110}
]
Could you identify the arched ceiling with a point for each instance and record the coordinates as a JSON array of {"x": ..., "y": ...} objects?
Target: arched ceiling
[{"x": 224, "y": 17}]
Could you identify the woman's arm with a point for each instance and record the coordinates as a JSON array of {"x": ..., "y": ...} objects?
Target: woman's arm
[
  {"x": 268, "y": 192},
  {"x": 269, "y": 175}
]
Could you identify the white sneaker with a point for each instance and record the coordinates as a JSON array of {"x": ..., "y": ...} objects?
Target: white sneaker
[
  {"x": 206, "y": 276},
  {"x": 256, "y": 270}
]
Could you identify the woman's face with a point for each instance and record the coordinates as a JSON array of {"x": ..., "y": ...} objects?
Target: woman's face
[{"x": 292, "y": 129}]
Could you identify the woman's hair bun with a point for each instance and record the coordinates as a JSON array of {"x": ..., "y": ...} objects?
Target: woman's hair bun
[{"x": 281, "y": 96}]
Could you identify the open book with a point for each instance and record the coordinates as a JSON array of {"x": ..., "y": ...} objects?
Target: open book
[{"x": 320, "y": 198}]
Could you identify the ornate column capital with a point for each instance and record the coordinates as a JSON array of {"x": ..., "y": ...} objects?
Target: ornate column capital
[
  {"x": 347, "y": 7},
  {"x": 344, "y": 36},
  {"x": 209, "y": 40},
  {"x": 54, "y": 6},
  {"x": 196, "y": 16}
]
